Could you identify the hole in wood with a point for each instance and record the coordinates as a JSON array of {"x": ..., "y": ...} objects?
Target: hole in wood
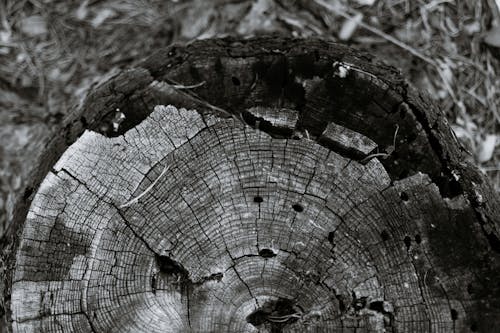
[
  {"x": 454, "y": 314},
  {"x": 257, "y": 318},
  {"x": 258, "y": 199},
  {"x": 448, "y": 186},
  {"x": 316, "y": 55},
  {"x": 83, "y": 121},
  {"x": 117, "y": 122},
  {"x": 331, "y": 236},
  {"x": 27, "y": 193},
  {"x": 470, "y": 289},
  {"x": 407, "y": 241},
  {"x": 341, "y": 300},
  {"x": 385, "y": 235},
  {"x": 212, "y": 277},
  {"x": 170, "y": 266},
  {"x": 153, "y": 284},
  {"x": 216, "y": 276},
  {"x": 418, "y": 239},
  {"x": 473, "y": 327},
  {"x": 494, "y": 242},
  {"x": 235, "y": 80},
  {"x": 403, "y": 110},
  {"x": 404, "y": 196},
  {"x": 267, "y": 253},
  {"x": 298, "y": 208},
  {"x": 275, "y": 313},
  {"x": 377, "y": 306},
  {"x": 358, "y": 303}
]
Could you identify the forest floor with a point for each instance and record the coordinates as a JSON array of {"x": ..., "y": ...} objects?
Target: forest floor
[{"x": 52, "y": 51}]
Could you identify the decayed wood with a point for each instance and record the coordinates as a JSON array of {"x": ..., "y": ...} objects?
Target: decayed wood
[
  {"x": 245, "y": 207},
  {"x": 272, "y": 119},
  {"x": 341, "y": 138}
]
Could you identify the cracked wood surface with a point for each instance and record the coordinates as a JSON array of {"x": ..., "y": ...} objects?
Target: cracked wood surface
[{"x": 257, "y": 211}]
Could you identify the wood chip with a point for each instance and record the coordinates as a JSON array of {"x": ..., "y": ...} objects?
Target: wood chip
[{"x": 343, "y": 138}]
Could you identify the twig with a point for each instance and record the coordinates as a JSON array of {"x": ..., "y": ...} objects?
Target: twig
[
  {"x": 180, "y": 86},
  {"x": 435, "y": 3},
  {"x": 369, "y": 157},
  {"x": 447, "y": 85},
  {"x": 134, "y": 200},
  {"x": 387, "y": 154},
  {"x": 490, "y": 169},
  {"x": 395, "y": 135}
]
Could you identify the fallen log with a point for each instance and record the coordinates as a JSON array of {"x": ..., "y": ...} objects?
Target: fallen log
[{"x": 269, "y": 184}]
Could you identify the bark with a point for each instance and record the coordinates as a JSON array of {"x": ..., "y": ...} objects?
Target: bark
[{"x": 294, "y": 186}]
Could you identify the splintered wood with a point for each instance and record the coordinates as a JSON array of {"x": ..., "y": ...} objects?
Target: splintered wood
[
  {"x": 347, "y": 140},
  {"x": 280, "y": 120},
  {"x": 186, "y": 224}
]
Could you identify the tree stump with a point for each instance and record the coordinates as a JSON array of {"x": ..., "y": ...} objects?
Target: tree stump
[{"x": 261, "y": 185}]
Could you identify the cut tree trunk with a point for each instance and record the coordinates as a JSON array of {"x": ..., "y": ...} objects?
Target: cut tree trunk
[{"x": 269, "y": 184}]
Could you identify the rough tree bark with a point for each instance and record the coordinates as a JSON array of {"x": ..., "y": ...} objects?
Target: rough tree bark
[{"x": 293, "y": 186}]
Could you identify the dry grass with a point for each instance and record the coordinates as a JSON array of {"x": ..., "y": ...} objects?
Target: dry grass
[{"x": 51, "y": 51}]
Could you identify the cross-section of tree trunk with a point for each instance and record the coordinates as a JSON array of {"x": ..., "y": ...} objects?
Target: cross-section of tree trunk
[{"x": 264, "y": 185}]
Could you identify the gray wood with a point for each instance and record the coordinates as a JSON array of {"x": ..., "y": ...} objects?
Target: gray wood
[
  {"x": 339, "y": 137},
  {"x": 193, "y": 218}
]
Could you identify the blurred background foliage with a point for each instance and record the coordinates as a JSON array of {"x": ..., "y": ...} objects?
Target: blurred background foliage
[{"x": 52, "y": 51}]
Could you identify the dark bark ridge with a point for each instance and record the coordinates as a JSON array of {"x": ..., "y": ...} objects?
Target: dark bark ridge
[{"x": 312, "y": 189}]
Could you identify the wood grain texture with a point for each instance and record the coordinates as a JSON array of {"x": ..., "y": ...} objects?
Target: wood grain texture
[{"x": 249, "y": 205}]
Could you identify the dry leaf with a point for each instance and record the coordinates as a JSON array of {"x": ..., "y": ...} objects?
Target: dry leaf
[
  {"x": 261, "y": 17},
  {"x": 33, "y": 26},
  {"x": 487, "y": 148},
  {"x": 492, "y": 37},
  {"x": 349, "y": 27},
  {"x": 5, "y": 36},
  {"x": 366, "y": 2},
  {"x": 446, "y": 71},
  {"x": 472, "y": 28},
  {"x": 82, "y": 11},
  {"x": 453, "y": 30},
  {"x": 102, "y": 16}
]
